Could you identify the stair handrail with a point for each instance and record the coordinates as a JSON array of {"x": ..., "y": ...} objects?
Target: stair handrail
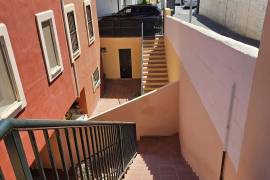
[{"x": 94, "y": 144}]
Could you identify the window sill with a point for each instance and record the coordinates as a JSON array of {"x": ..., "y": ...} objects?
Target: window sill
[
  {"x": 12, "y": 110},
  {"x": 96, "y": 86},
  {"x": 55, "y": 72},
  {"x": 76, "y": 55},
  {"x": 91, "y": 41}
]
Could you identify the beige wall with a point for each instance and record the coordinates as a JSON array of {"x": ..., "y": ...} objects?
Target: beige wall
[
  {"x": 245, "y": 17},
  {"x": 200, "y": 143},
  {"x": 255, "y": 155},
  {"x": 209, "y": 64},
  {"x": 173, "y": 63},
  {"x": 110, "y": 58},
  {"x": 155, "y": 114}
]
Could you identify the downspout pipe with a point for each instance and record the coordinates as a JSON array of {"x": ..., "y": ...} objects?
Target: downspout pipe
[{"x": 70, "y": 58}]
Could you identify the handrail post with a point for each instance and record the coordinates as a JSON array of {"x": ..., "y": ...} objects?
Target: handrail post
[
  {"x": 121, "y": 146},
  {"x": 142, "y": 61},
  {"x": 17, "y": 156}
]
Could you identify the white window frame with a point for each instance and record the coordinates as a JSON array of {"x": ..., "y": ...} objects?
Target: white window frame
[
  {"x": 20, "y": 103},
  {"x": 71, "y": 8},
  {"x": 53, "y": 73},
  {"x": 90, "y": 39},
  {"x": 93, "y": 81}
]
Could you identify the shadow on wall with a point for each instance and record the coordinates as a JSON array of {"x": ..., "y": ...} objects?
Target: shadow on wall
[{"x": 155, "y": 113}]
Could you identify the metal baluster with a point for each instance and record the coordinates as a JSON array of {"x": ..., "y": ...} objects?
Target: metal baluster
[
  {"x": 17, "y": 156},
  {"x": 49, "y": 149},
  {"x": 84, "y": 154},
  {"x": 105, "y": 157},
  {"x": 36, "y": 153},
  {"x": 97, "y": 168},
  {"x": 61, "y": 151},
  {"x": 121, "y": 146},
  {"x": 109, "y": 154},
  {"x": 114, "y": 152},
  {"x": 98, "y": 143},
  {"x": 77, "y": 151},
  {"x": 89, "y": 153},
  {"x": 70, "y": 153}
]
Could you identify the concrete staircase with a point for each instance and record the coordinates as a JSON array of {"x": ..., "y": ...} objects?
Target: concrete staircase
[
  {"x": 154, "y": 72},
  {"x": 159, "y": 158}
]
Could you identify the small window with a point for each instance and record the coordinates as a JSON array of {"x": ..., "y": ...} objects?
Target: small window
[
  {"x": 72, "y": 30},
  {"x": 12, "y": 99},
  {"x": 89, "y": 21},
  {"x": 50, "y": 44},
  {"x": 96, "y": 79}
]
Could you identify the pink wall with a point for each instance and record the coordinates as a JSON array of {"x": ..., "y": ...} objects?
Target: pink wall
[
  {"x": 155, "y": 114},
  {"x": 215, "y": 64}
]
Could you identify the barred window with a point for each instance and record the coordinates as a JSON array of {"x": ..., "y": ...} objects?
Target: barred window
[
  {"x": 72, "y": 30},
  {"x": 12, "y": 99},
  {"x": 89, "y": 21}
]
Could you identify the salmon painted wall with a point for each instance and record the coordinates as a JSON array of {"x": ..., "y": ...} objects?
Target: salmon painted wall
[
  {"x": 110, "y": 58},
  {"x": 200, "y": 140},
  {"x": 89, "y": 58},
  {"x": 255, "y": 154},
  {"x": 44, "y": 100},
  {"x": 155, "y": 113}
]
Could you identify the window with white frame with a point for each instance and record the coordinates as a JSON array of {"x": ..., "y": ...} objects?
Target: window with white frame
[
  {"x": 96, "y": 79},
  {"x": 72, "y": 30},
  {"x": 12, "y": 99},
  {"x": 89, "y": 21},
  {"x": 50, "y": 44}
]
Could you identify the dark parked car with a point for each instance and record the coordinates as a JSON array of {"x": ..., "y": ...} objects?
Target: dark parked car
[{"x": 136, "y": 11}]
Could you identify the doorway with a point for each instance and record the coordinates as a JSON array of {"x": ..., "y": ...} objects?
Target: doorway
[{"x": 125, "y": 63}]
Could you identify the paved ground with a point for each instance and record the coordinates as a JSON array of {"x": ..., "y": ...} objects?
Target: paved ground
[
  {"x": 207, "y": 23},
  {"x": 116, "y": 93},
  {"x": 159, "y": 158}
]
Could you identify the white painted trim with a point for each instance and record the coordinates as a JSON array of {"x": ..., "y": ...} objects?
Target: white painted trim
[
  {"x": 55, "y": 72},
  {"x": 93, "y": 81},
  {"x": 90, "y": 39},
  {"x": 69, "y": 8},
  {"x": 20, "y": 104}
]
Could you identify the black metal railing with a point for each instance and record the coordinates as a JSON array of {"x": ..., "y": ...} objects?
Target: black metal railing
[
  {"x": 69, "y": 149},
  {"x": 123, "y": 27}
]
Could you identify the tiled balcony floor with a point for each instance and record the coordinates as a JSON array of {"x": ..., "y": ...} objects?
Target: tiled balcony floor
[
  {"x": 116, "y": 93},
  {"x": 159, "y": 158}
]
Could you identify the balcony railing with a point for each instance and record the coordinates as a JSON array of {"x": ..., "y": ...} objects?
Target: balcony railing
[
  {"x": 85, "y": 150},
  {"x": 123, "y": 27}
]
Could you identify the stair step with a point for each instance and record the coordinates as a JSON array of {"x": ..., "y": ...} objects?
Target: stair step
[
  {"x": 154, "y": 61},
  {"x": 154, "y": 65},
  {"x": 155, "y": 56},
  {"x": 154, "y": 69},
  {"x": 153, "y": 51},
  {"x": 149, "y": 89},
  {"x": 153, "y": 48},
  {"x": 159, "y": 53},
  {"x": 145, "y": 78},
  {"x": 154, "y": 74},
  {"x": 154, "y": 83}
]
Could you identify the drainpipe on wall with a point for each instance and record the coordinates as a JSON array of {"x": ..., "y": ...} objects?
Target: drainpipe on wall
[
  {"x": 228, "y": 129},
  {"x": 72, "y": 64}
]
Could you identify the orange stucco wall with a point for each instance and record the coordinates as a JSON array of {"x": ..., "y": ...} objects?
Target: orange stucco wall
[
  {"x": 89, "y": 59},
  {"x": 155, "y": 114}
]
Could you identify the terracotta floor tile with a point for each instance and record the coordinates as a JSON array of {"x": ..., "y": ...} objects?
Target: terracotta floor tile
[{"x": 163, "y": 159}]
